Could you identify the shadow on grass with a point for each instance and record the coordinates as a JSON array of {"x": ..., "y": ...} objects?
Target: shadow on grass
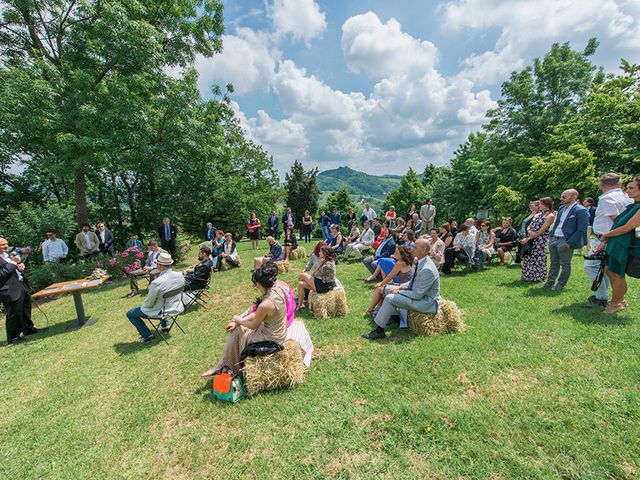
[
  {"x": 55, "y": 329},
  {"x": 593, "y": 316},
  {"x": 129, "y": 348},
  {"x": 539, "y": 291},
  {"x": 516, "y": 284}
]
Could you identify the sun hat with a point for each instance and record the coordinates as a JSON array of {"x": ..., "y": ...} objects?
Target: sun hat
[{"x": 164, "y": 259}]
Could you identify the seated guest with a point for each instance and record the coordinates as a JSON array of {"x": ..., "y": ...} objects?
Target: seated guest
[
  {"x": 463, "y": 249},
  {"x": 453, "y": 224},
  {"x": 401, "y": 272},
  {"x": 399, "y": 229},
  {"x": 198, "y": 277},
  {"x": 381, "y": 236},
  {"x": 387, "y": 265},
  {"x": 370, "y": 213},
  {"x": 391, "y": 216},
  {"x": 217, "y": 247},
  {"x": 505, "y": 240},
  {"x": 229, "y": 252},
  {"x": 421, "y": 293},
  {"x": 376, "y": 226},
  {"x": 336, "y": 239},
  {"x": 436, "y": 248},
  {"x": 418, "y": 225},
  {"x": 322, "y": 280},
  {"x": 471, "y": 223},
  {"x": 290, "y": 242},
  {"x": 54, "y": 249},
  {"x": 484, "y": 243},
  {"x": 134, "y": 242},
  {"x": 384, "y": 250},
  {"x": 408, "y": 238},
  {"x": 87, "y": 242},
  {"x": 446, "y": 235},
  {"x": 148, "y": 269},
  {"x": 275, "y": 253},
  {"x": 106, "y": 239},
  {"x": 314, "y": 258},
  {"x": 166, "y": 281},
  {"x": 363, "y": 242},
  {"x": 354, "y": 234}
]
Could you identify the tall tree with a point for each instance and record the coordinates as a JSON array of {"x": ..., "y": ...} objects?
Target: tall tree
[
  {"x": 302, "y": 190},
  {"x": 410, "y": 191}
]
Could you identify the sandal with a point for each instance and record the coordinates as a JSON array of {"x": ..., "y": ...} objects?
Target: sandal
[
  {"x": 614, "y": 308},
  {"x": 368, "y": 313},
  {"x": 301, "y": 306},
  {"x": 209, "y": 373}
]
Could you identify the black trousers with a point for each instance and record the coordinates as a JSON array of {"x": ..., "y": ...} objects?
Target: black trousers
[
  {"x": 18, "y": 315},
  {"x": 450, "y": 256},
  {"x": 169, "y": 246}
]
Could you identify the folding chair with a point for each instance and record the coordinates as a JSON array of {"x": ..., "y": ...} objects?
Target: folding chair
[
  {"x": 200, "y": 297},
  {"x": 156, "y": 320}
]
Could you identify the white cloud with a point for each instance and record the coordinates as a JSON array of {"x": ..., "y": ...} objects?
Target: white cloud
[
  {"x": 302, "y": 19},
  {"x": 382, "y": 49}
]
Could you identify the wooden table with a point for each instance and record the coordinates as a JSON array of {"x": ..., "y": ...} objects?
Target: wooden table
[{"x": 75, "y": 287}]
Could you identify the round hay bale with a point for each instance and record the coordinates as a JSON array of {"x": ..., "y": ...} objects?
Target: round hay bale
[
  {"x": 283, "y": 369},
  {"x": 447, "y": 320},
  {"x": 330, "y": 304},
  {"x": 283, "y": 266},
  {"x": 298, "y": 253}
]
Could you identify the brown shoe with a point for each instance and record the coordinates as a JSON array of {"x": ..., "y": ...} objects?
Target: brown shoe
[{"x": 132, "y": 294}]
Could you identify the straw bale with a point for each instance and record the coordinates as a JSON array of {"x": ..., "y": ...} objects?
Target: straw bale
[
  {"x": 283, "y": 266},
  {"x": 330, "y": 304},
  {"x": 298, "y": 253},
  {"x": 283, "y": 369},
  {"x": 447, "y": 320}
]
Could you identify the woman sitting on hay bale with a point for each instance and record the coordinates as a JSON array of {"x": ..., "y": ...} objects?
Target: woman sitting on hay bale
[
  {"x": 399, "y": 273},
  {"x": 314, "y": 259},
  {"x": 290, "y": 242},
  {"x": 268, "y": 321},
  {"x": 322, "y": 280}
]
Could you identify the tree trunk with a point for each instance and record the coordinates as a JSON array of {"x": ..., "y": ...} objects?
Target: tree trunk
[
  {"x": 80, "y": 188},
  {"x": 116, "y": 199},
  {"x": 132, "y": 207}
]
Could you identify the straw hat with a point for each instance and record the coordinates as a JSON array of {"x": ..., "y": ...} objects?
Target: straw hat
[{"x": 164, "y": 259}]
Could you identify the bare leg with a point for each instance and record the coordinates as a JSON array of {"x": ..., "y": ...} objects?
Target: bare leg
[
  {"x": 257, "y": 262},
  {"x": 501, "y": 256},
  {"x": 287, "y": 251},
  {"x": 619, "y": 289},
  {"x": 377, "y": 297},
  {"x": 376, "y": 274}
]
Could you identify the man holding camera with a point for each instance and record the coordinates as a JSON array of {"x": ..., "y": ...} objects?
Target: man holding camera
[{"x": 611, "y": 203}]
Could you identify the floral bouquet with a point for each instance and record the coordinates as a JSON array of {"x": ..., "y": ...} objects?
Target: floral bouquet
[{"x": 98, "y": 273}]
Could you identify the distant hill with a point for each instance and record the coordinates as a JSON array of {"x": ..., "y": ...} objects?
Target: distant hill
[{"x": 358, "y": 183}]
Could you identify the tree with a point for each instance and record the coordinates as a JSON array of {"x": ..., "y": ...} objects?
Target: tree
[
  {"x": 340, "y": 200},
  {"x": 410, "y": 191},
  {"x": 302, "y": 190}
]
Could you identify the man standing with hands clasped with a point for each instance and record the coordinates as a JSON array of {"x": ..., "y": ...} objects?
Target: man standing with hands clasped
[{"x": 167, "y": 234}]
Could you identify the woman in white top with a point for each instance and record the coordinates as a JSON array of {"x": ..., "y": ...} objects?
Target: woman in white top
[
  {"x": 436, "y": 248},
  {"x": 229, "y": 251}
]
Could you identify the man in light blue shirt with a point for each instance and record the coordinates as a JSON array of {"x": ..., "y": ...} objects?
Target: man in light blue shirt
[{"x": 54, "y": 249}]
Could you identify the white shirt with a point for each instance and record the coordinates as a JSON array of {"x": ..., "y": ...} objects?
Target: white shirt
[
  {"x": 52, "y": 250},
  {"x": 473, "y": 230},
  {"x": 87, "y": 241},
  {"x": 370, "y": 213},
  {"x": 565, "y": 213},
  {"x": 611, "y": 203},
  {"x": 101, "y": 235},
  {"x": 367, "y": 238},
  {"x": 8, "y": 259}
]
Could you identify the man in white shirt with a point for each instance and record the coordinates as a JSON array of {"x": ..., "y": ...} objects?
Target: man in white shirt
[
  {"x": 87, "y": 242},
  {"x": 471, "y": 223},
  {"x": 364, "y": 242},
  {"x": 369, "y": 212},
  {"x": 54, "y": 249},
  {"x": 611, "y": 203},
  {"x": 166, "y": 281},
  {"x": 428, "y": 214}
]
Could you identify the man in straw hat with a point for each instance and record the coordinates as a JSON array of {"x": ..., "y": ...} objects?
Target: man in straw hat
[
  {"x": 166, "y": 281},
  {"x": 421, "y": 294}
]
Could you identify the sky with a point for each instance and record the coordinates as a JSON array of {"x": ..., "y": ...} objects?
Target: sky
[{"x": 382, "y": 86}]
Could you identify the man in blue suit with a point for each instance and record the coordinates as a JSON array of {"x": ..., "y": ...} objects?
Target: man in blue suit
[
  {"x": 385, "y": 250},
  {"x": 421, "y": 294},
  {"x": 569, "y": 232}
]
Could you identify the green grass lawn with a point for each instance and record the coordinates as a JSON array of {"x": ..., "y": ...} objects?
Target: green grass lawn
[{"x": 535, "y": 387}]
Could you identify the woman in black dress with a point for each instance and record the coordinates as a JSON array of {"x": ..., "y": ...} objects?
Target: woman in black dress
[
  {"x": 253, "y": 225},
  {"x": 307, "y": 226},
  {"x": 290, "y": 242}
]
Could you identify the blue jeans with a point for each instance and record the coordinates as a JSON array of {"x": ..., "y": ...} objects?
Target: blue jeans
[
  {"x": 591, "y": 267},
  {"x": 136, "y": 316},
  {"x": 325, "y": 233}
]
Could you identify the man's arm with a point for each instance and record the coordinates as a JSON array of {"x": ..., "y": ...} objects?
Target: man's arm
[
  {"x": 422, "y": 283},
  {"x": 152, "y": 295},
  {"x": 65, "y": 249},
  {"x": 45, "y": 251},
  {"x": 7, "y": 269},
  {"x": 582, "y": 222}
]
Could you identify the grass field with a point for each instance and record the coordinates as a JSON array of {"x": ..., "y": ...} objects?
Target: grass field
[{"x": 535, "y": 387}]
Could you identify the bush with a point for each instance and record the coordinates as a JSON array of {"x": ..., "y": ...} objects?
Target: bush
[{"x": 48, "y": 273}]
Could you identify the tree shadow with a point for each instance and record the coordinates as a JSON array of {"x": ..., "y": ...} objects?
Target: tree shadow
[
  {"x": 516, "y": 284},
  {"x": 130, "y": 348},
  {"x": 592, "y": 316},
  {"x": 539, "y": 291}
]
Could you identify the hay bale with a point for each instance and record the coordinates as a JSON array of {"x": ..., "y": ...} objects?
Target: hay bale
[
  {"x": 447, "y": 320},
  {"x": 298, "y": 253},
  {"x": 330, "y": 304},
  {"x": 283, "y": 266},
  {"x": 283, "y": 369}
]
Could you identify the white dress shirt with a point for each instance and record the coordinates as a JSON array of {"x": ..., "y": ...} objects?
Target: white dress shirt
[
  {"x": 611, "y": 203},
  {"x": 8, "y": 259},
  {"x": 370, "y": 213},
  {"x": 52, "y": 250}
]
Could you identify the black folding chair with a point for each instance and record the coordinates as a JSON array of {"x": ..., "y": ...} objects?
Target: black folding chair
[
  {"x": 199, "y": 297},
  {"x": 156, "y": 320}
]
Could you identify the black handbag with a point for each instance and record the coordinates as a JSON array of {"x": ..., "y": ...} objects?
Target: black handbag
[
  {"x": 526, "y": 249},
  {"x": 633, "y": 263},
  {"x": 260, "y": 349}
]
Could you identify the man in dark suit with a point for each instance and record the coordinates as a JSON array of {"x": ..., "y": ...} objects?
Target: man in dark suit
[
  {"x": 336, "y": 217},
  {"x": 569, "y": 232},
  {"x": 105, "y": 237},
  {"x": 272, "y": 225},
  {"x": 209, "y": 232},
  {"x": 198, "y": 277},
  {"x": 14, "y": 295},
  {"x": 288, "y": 220},
  {"x": 167, "y": 234}
]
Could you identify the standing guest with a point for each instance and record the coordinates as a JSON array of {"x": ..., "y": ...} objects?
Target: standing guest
[
  {"x": 436, "y": 248},
  {"x": 376, "y": 226},
  {"x": 314, "y": 258},
  {"x": 209, "y": 232},
  {"x": 428, "y": 214},
  {"x": 484, "y": 243},
  {"x": 290, "y": 242},
  {"x": 336, "y": 239},
  {"x": 149, "y": 268},
  {"x": 168, "y": 234},
  {"x": 106, "y": 240},
  {"x": 275, "y": 254},
  {"x": 568, "y": 233},
  {"x": 54, "y": 249},
  {"x": 322, "y": 280},
  {"x": 418, "y": 225},
  {"x": 505, "y": 238},
  {"x": 534, "y": 265},
  {"x": 611, "y": 203},
  {"x": 534, "y": 208},
  {"x": 421, "y": 293},
  {"x": 288, "y": 219},
  {"x": 391, "y": 216},
  {"x": 307, "y": 226},
  {"x": 325, "y": 223},
  {"x": 87, "y": 242},
  {"x": 14, "y": 295},
  {"x": 166, "y": 281},
  {"x": 621, "y": 245},
  {"x": 364, "y": 242},
  {"x": 400, "y": 271},
  {"x": 253, "y": 225},
  {"x": 369, "y": 212},
  {"x": 351, "y": 216},
  {"x": 134, "y": 242},
  {"x": 589, "y": 204},
  {"x": 217, "y": 247},
  {"x": 273, "y": 228},
  {"x": 446, "y": 235},
  {"x": 410, "y": 212},
  {"x": 197, "y": 278},
  {"x": 384, "y": 250},
  {"x": 336, "y": 218},
  {"x": 463, "y": 249},
  {"x": 230, "y": 251}
]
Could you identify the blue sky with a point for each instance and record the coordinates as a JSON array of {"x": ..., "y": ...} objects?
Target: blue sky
[{"x": 380, "y": 86}]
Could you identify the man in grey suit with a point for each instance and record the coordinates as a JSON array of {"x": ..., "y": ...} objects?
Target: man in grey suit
[
  {"x": 428, "y": 214},
  {"x": 421, "y": 294}
]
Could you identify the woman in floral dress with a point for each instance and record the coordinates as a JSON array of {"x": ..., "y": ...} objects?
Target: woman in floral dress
[{"x": 534, "y": 265}]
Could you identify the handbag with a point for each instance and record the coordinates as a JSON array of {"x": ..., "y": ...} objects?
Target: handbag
[
  {"x": 526, "y": 249},
  {"x": 229, "y": 388},
  {"x": 633, "y": 264},
  {"x": 260, "y": 349}
]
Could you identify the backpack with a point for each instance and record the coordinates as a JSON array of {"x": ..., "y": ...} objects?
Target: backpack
[{"x": 229, "y": 388}]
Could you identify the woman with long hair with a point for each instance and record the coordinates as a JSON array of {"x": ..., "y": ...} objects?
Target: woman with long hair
[
  {"x": 290, "y": 242},
  {"x": 307, "y": 226},
  {"x": 436, "y": 248},
  {"x": 401, "y": 272},
  {"x": 322, "y": 280},
  {"x": 534, "y": 265},
  {"x": 253, "y": 225}
]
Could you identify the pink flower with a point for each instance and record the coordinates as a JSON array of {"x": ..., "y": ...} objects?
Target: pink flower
[
  {"x": 99, "y": 265},
  {"x": 125, "y": 253},
  {"x": 113, "y": 261},
  {"x": 139, "y": 255}
]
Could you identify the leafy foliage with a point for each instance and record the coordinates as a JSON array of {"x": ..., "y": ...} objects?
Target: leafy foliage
[
  {"x": 302, "y": 190},
  {"x": 410, "y": 191},
  {"x": 28, "y": 225}
]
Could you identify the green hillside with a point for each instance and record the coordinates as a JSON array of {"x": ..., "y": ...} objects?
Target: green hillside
[{"x": 358, "y": 183}]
